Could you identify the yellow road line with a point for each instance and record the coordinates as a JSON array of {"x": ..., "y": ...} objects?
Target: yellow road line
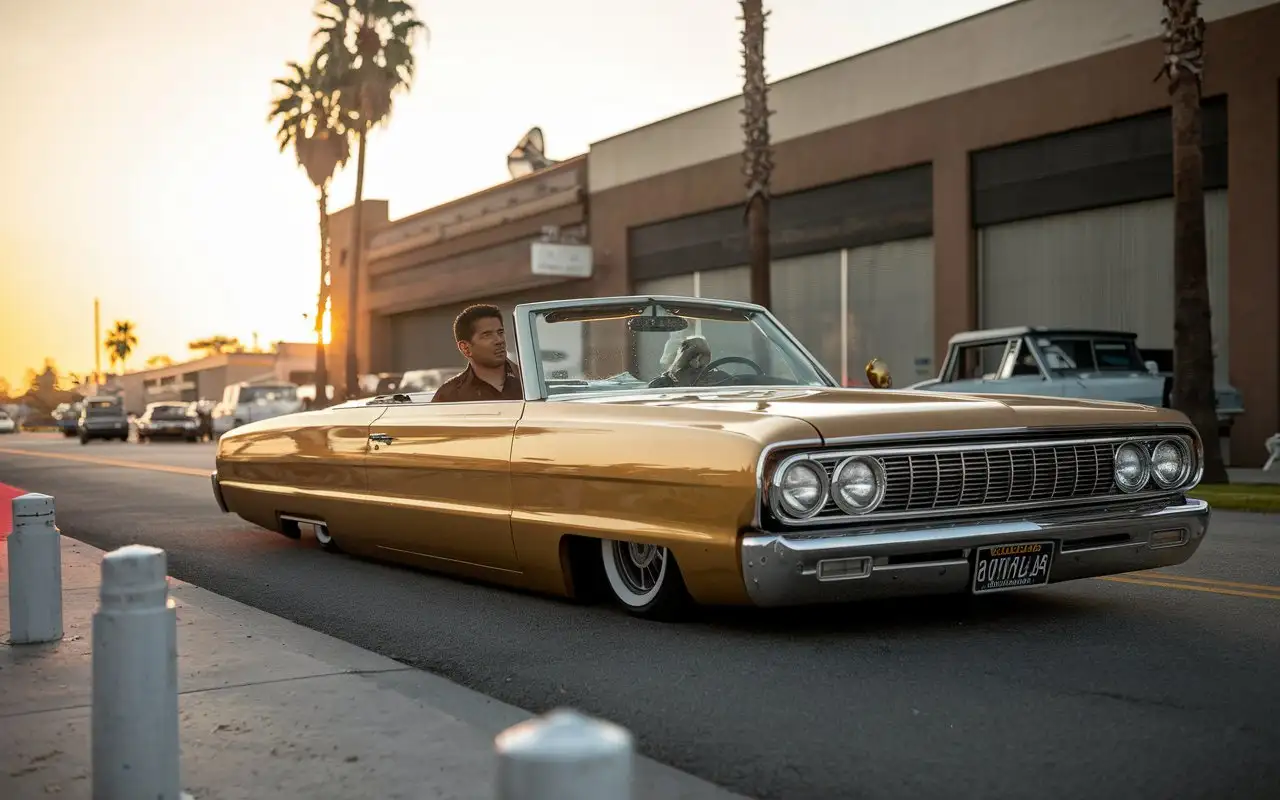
[
  {"x": 1193, "y": 587},
  {"x": 111, "y": 462},
  {"x": 1164, "y": 576}
]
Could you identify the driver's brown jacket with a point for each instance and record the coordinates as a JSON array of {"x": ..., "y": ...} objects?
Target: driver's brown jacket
[{"x": 467, "y": 386}]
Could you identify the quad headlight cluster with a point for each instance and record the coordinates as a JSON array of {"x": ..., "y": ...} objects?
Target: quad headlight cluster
[
  {"x": 802, "y": 487},
  {"x": 1168, "y": 463}
]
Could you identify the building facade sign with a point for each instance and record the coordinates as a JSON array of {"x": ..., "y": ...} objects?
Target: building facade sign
[{"x": 561, "y": 260}]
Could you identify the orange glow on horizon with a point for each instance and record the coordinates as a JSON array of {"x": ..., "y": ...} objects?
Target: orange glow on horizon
[{"x": 180, "y": 213}]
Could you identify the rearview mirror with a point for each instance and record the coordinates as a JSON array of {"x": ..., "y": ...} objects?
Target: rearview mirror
[
  {"x": 660, "y": 324},
  {"x": 878, "y": 374}
]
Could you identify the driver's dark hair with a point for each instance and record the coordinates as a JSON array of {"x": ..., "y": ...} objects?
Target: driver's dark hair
[{"x": 464, "y": 325}]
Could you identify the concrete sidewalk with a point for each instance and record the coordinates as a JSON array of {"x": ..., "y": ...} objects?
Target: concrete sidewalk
[{"x": 268, "y": 709}]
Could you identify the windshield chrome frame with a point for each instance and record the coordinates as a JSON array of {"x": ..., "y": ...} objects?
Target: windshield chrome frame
[{"x": 531, "y": 375}]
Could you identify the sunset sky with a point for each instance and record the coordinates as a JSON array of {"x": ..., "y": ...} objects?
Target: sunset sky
[{"x": 137, "y": 165}]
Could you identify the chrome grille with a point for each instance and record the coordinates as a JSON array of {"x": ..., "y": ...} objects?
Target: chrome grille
[
  {"x": 995, "y": 476},
  {"x": 947, "y": 479}
]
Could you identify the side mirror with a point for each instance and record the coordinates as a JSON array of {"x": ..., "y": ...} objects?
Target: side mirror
[
  {"x": 878, "y": 374},
  {"x": 1152, "y": 367}
]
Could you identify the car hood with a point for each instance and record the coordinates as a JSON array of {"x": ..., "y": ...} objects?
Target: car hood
[{"x": 841, "y": 413}]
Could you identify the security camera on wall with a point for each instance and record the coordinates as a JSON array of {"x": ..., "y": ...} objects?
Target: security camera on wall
[{"x": 529, "y": 155}]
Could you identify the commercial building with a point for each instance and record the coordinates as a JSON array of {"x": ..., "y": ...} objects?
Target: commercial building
[
  {"x": 205, "y": 378},
  {"x": 1014, "y": 167},
  {"x": 423, "y": 269}
]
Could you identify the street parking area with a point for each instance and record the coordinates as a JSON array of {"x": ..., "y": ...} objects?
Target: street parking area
[{"x": 1159, "y": 684}]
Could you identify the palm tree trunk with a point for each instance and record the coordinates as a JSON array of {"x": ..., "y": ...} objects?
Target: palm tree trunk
[
  {"x": 1193, "y": 390},
  {"x": 757, "y": 154},
  {"x": 357, "y": 245},
  {"x": 322, "y": 372}
]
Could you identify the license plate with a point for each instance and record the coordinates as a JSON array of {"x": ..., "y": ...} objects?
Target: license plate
[{"x": 1003, "y": 567}]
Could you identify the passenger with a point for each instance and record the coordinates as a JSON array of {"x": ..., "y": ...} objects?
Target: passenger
[
  {"x": 686, "y": 365},
  {"x": 490, "y": 375}
]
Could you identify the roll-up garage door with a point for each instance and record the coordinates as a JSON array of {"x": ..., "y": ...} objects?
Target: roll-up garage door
[
  {"x": 424, "y": 340},
  {"x": 890, "y": 309},
  {"x": 1102, "y": 268},
  {"x": 887, "y": 302}
]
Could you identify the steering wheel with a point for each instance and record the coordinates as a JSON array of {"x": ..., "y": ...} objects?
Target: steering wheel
[{"x": 727, "y": 360}]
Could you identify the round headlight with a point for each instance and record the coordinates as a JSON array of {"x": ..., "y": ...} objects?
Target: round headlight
[
  {"x": 1131, "y": 467},
  {"x": 1170, "y": 463},
  {"x": 858, "y": 484},
  {"x": 802, "y": 489}
]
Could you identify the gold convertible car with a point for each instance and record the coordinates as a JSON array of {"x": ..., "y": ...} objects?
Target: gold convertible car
[{"x": 697, "y": 453}]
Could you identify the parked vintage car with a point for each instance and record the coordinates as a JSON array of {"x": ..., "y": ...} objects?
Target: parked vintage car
[
  {"x": 67, "y": 416},
  {"x": 168, "y": 420},
  {"x": 734, "y": 471},
  {"x": 250, "y": 401},
  {"x": 1062, "y": 362},
  {"x": 103, "y": 417},
  {"x": 7, "y": 424}
]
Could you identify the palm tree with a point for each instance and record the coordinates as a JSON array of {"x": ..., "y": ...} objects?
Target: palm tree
[
  {"x": 365, "y": 56},
  {"x": 1193, "y": 374},
  {"x": 309, "y": 121},
  {"x": 213, "y": 345},
  {"x": 757, "y": 155},
  {"x": 120, "y": 343}
]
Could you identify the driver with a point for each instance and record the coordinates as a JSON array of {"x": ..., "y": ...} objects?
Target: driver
[{"x": 688, "y": 365}]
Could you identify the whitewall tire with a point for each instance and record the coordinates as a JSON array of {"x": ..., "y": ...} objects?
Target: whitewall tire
[{"x": 643, "y": 578}]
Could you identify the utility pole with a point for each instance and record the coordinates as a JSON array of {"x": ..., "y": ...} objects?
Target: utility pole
[{"x": 97, "y": 344}]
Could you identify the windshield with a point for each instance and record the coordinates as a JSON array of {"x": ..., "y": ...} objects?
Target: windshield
[
  {"x": 267, "y": 394},
  {"x": 1066, "y": 354},
  {"x": 169, "y": 412},
  {"x": 649, "y": 345}
]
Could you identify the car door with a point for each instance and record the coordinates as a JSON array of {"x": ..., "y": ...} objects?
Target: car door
[{"x": 442, "y": 475}]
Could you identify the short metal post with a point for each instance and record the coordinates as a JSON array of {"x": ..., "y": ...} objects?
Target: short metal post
[
  {"x": 565, "y": 755},
  {"x": 35, "y": 572},
  {"x": 135, "y": 679}
]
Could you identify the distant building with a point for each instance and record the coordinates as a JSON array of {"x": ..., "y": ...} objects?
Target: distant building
[
  {"x": 205, "y": 378},
  {"x": 1014, "y": 167}
]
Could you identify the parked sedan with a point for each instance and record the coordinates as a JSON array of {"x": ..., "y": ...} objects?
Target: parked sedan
[
  {"x": 7, "y": 425},
  {"x": 103, "y": 418},
  {"x": 168, "y": 421},
  {"x": 734, "y": 470}
]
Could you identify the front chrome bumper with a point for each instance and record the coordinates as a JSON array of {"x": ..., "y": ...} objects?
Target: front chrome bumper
[
  {"x": 783, "y": 570},
  {"x": 217, "y": 492}
]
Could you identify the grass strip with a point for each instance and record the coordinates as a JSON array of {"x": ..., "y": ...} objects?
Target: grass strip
[{"x": 1257, "y": 497}]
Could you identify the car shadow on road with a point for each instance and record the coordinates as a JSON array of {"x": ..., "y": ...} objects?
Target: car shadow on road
[
  {"x": 915, "y": 615},
  {"x": 1035, "y": 608}
]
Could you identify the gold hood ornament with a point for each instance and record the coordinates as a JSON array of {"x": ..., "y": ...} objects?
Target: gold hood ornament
[{"x": 878, "y": 374}]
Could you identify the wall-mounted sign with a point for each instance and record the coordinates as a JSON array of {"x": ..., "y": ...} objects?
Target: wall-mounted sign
[{"x": 561, "y": 260}]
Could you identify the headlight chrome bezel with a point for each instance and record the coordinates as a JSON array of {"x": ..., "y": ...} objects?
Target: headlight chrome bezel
[
  {"x": 1184, "y": 451},
  {"x": 1144, "y": 459},
  {"x": 776, "y": 503},
  {"x": 877, "y": 471}
]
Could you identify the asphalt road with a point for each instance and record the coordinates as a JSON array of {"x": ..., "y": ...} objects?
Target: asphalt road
[{"x": 1158, "y": 687}]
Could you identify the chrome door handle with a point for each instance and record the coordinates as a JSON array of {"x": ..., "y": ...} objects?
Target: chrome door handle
[{"x": 380, "y": 437}]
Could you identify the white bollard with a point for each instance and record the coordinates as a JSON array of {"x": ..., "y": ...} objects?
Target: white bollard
[
  {"x": 135, "y": 679},
  {"x": 35, "y": 572},
  {"x": 565, "y": 755}
]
